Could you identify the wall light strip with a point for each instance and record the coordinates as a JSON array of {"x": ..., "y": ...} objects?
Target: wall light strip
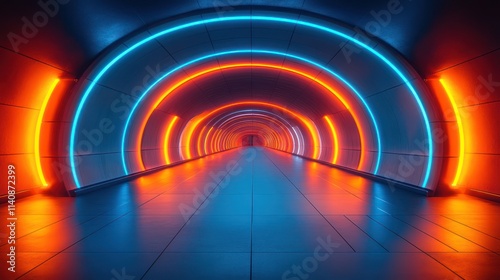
[
  {"x": 38, "y": 129},
  {"x": 166, "y": 144},
  {"x": 335, "y": 140},
  {"x": 461, "y": 134}
]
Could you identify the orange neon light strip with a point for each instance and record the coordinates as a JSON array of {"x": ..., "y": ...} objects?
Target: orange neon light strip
[
  {"x": 167, "y": 140},
  {"x": 335, "y": 140},
  {"x": 38, "y": 130},
  {"x": 254, "y": 65},
  {"x": 205, "y": 143},
  {"x": 198, "y": 145},
  {"x": 237, "y": 124},
  {"x": 310, "y": 126},
  {"x": 232, "y": 135},
  {"x": 461, "y": 134}
]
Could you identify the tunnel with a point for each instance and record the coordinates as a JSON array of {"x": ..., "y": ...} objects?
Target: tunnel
[{"x": 238, "y": 139}]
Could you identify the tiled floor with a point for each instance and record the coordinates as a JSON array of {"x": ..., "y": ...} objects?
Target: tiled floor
[{"x": 272, "y": 216}]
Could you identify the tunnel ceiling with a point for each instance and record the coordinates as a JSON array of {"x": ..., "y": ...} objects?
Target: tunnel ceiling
[{"x": 423, "y": 31}]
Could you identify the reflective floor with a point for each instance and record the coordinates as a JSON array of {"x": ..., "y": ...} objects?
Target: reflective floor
[{"x": 253, "y": 214}]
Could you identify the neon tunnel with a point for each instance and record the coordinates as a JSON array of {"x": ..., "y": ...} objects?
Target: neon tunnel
[
  {"x": 384, "y": 102},
  {"x": 369, "y": 153}
]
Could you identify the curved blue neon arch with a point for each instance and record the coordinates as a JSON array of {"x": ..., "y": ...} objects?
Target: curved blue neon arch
[
  {"x": 251, "y": 18},
  {"x": 180, "y": 67}
]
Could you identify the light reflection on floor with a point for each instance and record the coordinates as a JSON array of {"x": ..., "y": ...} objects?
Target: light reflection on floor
[{"x": 273, "y": 216}]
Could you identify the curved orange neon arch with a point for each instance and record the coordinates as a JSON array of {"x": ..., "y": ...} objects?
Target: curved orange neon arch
[
  {"x": 221, "y": 135},
  {"x": 335, "y": 139},
  {"x": 256, "y": 65},
  {"x": 232, "y": 134},
  {"x": 38, "y": 129},
  {"x": 237, "y": 119},
  {"x": 461, "y": 134},
  {"x": 167, "y": 139},
  {"x": 310, "y": 126}
]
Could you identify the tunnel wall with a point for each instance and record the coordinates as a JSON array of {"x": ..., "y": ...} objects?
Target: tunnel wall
[
  {"x": 24, "y": 84},
  {"x": 475, "y": 83}
]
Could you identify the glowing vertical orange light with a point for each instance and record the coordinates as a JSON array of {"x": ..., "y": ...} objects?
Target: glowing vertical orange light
[
  {"x": 206, "y": 140},
  {"x": 461, "y": 156},
  {"x": 166, "y": 143},
  {"x": 198, "y": 145},
  {"x": 187, "y": 144},
  {"x": 38, "y": 129},
  {"x": 335, "y": 140}
]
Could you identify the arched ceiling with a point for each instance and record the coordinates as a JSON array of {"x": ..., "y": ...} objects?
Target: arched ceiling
[{"x": 423, "y": 31}]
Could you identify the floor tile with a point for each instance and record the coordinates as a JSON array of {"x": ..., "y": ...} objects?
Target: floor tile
[
  {"x": 295, "y": 234},
  {"x": 348, "y": 266},
  {"x": 86, "y": 266},
  {"x": 201, "y": 266}
]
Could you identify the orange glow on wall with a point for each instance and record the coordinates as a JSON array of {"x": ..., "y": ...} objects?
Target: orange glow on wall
[
  {"x": 335, "y": 140},
  {"x": 38, "y": 129},
  {"x": 205, "y": 150},
  {"x": 166, "y": 144},
  {"x": 458, "y": 118},
  {"x": 198, "y": 145}
]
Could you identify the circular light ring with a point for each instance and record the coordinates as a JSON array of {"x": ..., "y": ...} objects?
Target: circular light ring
[
  {"x": 261, "y": 122},
  {"x": 188, "y": 131},
  {"x": 239, "y": 135},
  {"x": 310, "y": 76},
  {"x": 285, "y": 143},
  {"x": 278, "y": 119},
  {"x": 204, "y": 139},
  {"x": 256, "y": 122},
  {"x": 283, "y": 131},
  {"x": 228, "y": 136},
  {"x": 279, "y": 141},
  {"x": 335, "y": 139},
  {"x": 316, "y": 140},
  {"x": 167, "y": 139},
  {"x": 328, "y": 30}
]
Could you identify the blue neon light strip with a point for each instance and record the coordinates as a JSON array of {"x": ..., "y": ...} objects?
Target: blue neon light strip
[{"x": 246, "y": 18}]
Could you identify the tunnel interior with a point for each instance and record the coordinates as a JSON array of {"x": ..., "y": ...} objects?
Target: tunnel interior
[
  {"x": 96, "y": 94},
  {"x": 181, "y": 87}
]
